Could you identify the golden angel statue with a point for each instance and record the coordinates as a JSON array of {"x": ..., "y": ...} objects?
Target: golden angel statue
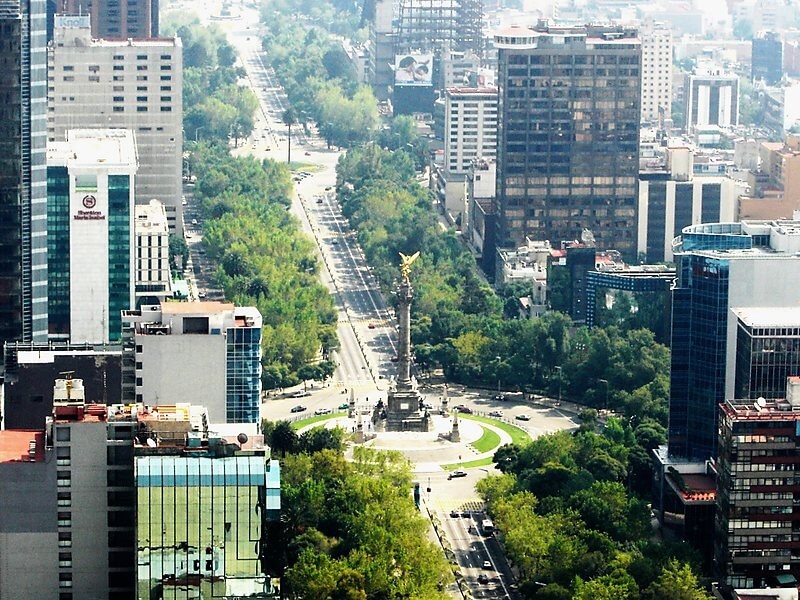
[{"x": 405, "y": 265}]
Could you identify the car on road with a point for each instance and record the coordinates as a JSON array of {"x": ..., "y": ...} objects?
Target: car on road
[
  {"x": 300, "y": 394},
  {"x": 427, "y": 406},
  {"x": 328, "y": 189},
  {"x": 457, "y": 474},
  {"x": 523, "y": 417},
  {"x": 463, "y": 409},
  {"x": 371, "y": 326},
  {"x": 487, "y": 565},
  {"x": 202, "y": 295},
  {"x": 483, "y": 578},
  {"x": 500, "y": 397},
  {"x": 319, "y": 200},
  {"x": 394, "y": 359},
  {"x": 454, "y": 514},
  {"x": 496, "y": 413},
  {"x": 307, "y": 153},
  {"x": 323, "y": 411},
  {"x": 194, "y": 221},
  {"x": 344, "y": 406},
  {"x": 298, "y": 409}
]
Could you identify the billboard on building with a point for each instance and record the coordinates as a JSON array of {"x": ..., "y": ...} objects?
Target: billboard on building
[{"x": 413, "y": 70}]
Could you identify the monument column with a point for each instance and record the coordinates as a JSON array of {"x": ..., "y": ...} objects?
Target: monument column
[{"x": 404, "y": 296}]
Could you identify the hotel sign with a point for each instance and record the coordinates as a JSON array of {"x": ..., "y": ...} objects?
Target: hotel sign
[{"x": 89, "y": 202}]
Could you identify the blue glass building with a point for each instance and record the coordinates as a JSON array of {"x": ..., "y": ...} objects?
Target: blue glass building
[{"x": 721, "y": 267}]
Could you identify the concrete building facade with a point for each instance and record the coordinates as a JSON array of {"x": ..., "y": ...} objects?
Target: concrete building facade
[
  {"x": 134, "y": 84},
  {"x": 23, "y": 178},
  {"x": 152, "y": 271},
  {"x": 712, "y": 98},
  {"x": 656, "y": 72},
  {"x": 568, "y": 134},
  {"x": 91, "y": 178},
  {"x": 218, "y": 346}
]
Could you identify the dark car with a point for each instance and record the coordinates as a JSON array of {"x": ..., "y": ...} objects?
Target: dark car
[
  {"x": 483, "y": 578},
  {"x": 523, "y": 417},
  {"x": 298, "y": 408},
  {"x": 464, "y": 409},
  {"x": 455, "y": 514}
]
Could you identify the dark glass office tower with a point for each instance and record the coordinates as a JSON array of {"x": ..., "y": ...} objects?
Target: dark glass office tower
[
  {"x": 568, "y": 134},
  {"x": 733, "y": 333},
  {"x": 23, "y": 177}
]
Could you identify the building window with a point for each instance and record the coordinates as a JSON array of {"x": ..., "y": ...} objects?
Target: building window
[
  {"x": 119, "y": 67},
  {"x": 166, "y": 57},
  {"x": 141, "y": 78},
  {"x": 119, "y": 98},
  {"x": 141, "y": 109},
  {"x": 94, "y": 78},
  {"x": 166, "y": 109},
  {"x": 141, "y": 67},
  {"x": 141, "y": 98},
  {"x": 119, "y": 57},
  {"x": 166, "y": 88},
  {"x": 119, "y": 78},
  {"x": 166, "y": 78},
  {"x": 166, "y": 67},
  {"x": 119, "y": 109},
  {"x": 166, "y": 98},
  {"x": 62, "y": 434},
  {"x": 141, "y": 57},
  {"x": 69, "y": 78},
  {"x": 141, "y": 88}
]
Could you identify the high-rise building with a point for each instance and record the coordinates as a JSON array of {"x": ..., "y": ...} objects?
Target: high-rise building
[
  {"x": 470, "y": 128},
  {"x": 712, "y": 98},
  {"x": 131, "y": 84},
  {"x": 80, "y": 496},
  {"x": 90, "y": 207},
  {"x": 117, "y": 19},
  {"x": 568, "y": 134},
  {"x": 219, "y": 349},
  {"x": 656, "y": 72},
  {"x": 724, "y": 268},
  {"x": 23, "y": 180},
  {"x": 672, "y": 197},
  {"x": 153, "y": 275},
  {"x": 767, "y": 58},
  {"x": 757, "y": 509}
]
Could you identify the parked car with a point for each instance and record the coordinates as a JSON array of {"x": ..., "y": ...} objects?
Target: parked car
[
  {"x": 323, "y": 411},
  {"x": 464, "y": 409},
  {"x": 523, "y": 417},
  {"x": 371, "y": 326},
  {"x": 496, "y": 413},
  {"x": 457, "y": 474},
  {"x": 483, "y": 578},
  {"x": 300, "y": 394},
  {"x": 454, "y": 514},
  {"x": 297, "y": 409},
  {"x": 344, "y": 406}
]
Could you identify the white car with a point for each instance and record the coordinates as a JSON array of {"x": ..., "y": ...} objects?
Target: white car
[
  {"x": 300, "y": 394},
  {"x": 323, "y": 411}
]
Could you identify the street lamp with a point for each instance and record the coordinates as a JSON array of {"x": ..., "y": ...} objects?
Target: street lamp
[
  {"x": 498, "y": 359},
  {"x": 605, "y": 404},
  {"x": 559, "y": 385}
]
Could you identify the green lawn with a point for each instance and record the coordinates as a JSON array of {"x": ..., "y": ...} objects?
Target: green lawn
[
  {"x": 488, "y": 441},
  {"x": 519, "y": 436},
  {"x": 480, "y": 462},
  {"x": 315, "y": 419}
]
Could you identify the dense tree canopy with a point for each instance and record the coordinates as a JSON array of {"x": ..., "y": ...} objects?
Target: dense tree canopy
[
  {"x": 351, "y": 530},
  {"x": 264, "y": 260}
]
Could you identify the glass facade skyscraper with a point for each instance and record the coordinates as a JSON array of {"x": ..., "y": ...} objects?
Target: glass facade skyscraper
[
  {"x": 568, "y": 134},
  {"x": 724, "y": 269},
  {"x": 23, "y": 179}
]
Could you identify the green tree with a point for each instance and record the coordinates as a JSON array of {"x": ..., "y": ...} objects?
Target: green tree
[
  {"x": 677, "y": 581},
  {"x": 283, "y": 439},
  {"x": 289, "y": 118}
]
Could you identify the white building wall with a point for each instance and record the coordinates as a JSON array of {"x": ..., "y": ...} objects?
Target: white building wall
[
  {"x": 182, "y": 368},
  {"x": 656, "y": 71},
  {"x": 470, "y": 130}
]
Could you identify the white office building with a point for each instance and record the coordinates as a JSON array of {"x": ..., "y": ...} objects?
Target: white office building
[
  {"x": 656, "y": 72},
  {"x": 89, "y": 209},
  {"x": 134, "y": 84},
  {"x": 470, "y": 127},
  {"x": 207, "y": 351},
  {"x": 712, "y": 98},
  {"x": 153, "y": 276}
]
